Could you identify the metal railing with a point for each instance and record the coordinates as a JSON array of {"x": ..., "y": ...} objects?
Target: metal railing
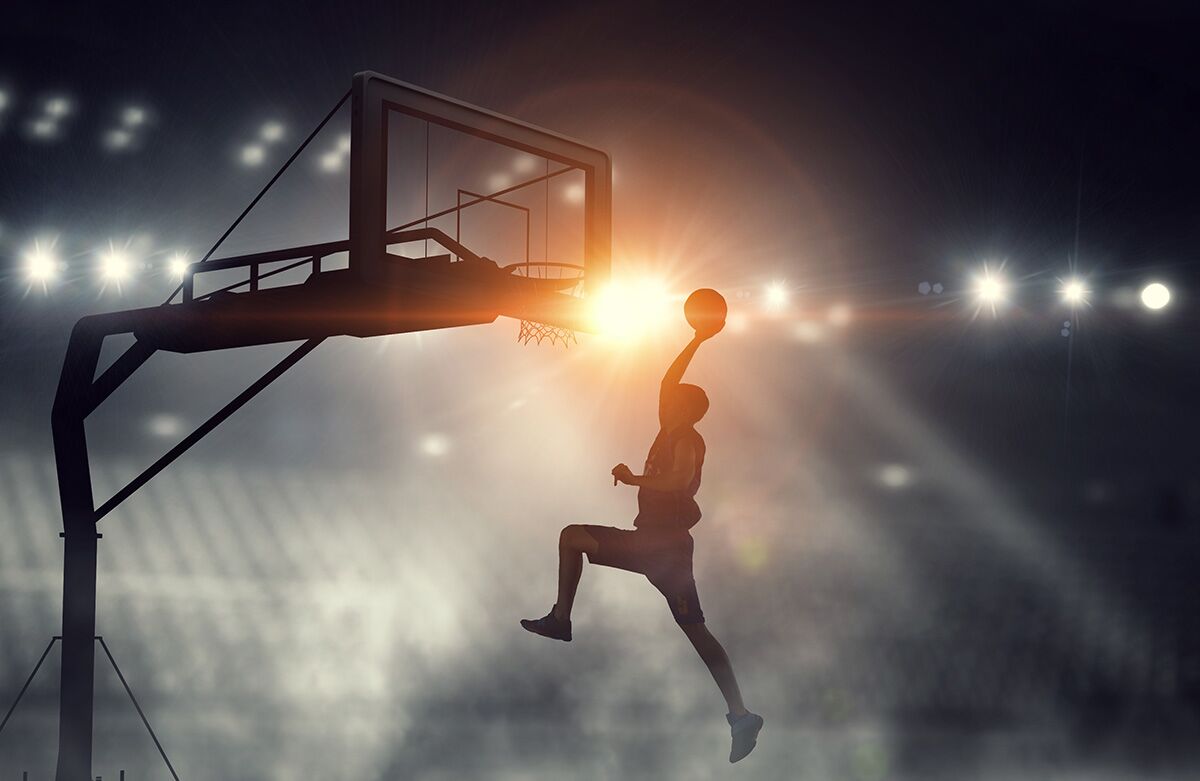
[{"x": 310, "y": 254}]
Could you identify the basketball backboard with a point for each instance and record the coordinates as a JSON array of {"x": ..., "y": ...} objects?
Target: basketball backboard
[
  {"x": 527, "y": 198},
  {"x": 457, "y": 215}
]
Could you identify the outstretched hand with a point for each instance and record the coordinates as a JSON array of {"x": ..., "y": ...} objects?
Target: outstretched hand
[{"x": 622, "y": 474}]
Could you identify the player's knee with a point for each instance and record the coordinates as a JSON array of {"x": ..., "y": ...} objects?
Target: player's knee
[{"x": 571, "y": 537}]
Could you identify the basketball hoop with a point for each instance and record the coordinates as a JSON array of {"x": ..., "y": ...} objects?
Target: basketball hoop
[{"x": 542, "y": 282}]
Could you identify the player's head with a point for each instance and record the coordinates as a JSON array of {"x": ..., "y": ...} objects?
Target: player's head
[{"x": 686, "y": 404}]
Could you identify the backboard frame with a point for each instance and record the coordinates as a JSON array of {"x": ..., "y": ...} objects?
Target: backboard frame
[{"x": 375, "y": 95}]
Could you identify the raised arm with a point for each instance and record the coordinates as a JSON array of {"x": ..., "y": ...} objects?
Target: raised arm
[{"x": 675, "y": 373}]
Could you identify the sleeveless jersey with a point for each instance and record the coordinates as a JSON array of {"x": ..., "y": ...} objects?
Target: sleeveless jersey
[{"x": 670, "y": 509}]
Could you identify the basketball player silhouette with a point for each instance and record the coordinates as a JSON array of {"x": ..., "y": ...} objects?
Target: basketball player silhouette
[{"x": 660, "y": 545}]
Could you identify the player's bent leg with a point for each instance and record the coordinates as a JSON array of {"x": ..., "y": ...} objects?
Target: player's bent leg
[
  {"x": 744, "y": 725},
  {"x": 577, "y": 538},
  {"x": 573, "y": 542}
]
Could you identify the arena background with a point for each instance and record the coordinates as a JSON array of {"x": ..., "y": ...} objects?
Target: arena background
[{"x": 939, "y": 541}]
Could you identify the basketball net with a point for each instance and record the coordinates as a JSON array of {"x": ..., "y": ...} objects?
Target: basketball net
[{"x": 571, "y": 281}]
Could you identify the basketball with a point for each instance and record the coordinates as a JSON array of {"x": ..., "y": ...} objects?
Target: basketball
[{"x": 705, "y": 310}]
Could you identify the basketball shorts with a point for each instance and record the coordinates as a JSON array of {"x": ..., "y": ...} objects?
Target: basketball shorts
[{"x": 664, "y": 557}]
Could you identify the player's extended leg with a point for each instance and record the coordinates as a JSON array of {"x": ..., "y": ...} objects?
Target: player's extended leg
[
  {"x": 573, "y": 542},
  {"x": 713, "y": 654},
  {"x": 743, "y": 724}
]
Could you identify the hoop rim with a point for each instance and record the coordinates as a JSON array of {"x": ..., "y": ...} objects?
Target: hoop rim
[{"x": 512, "y": 268}]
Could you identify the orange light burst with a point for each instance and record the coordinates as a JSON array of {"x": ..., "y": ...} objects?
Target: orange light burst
[{"x": 625, "y": 311}]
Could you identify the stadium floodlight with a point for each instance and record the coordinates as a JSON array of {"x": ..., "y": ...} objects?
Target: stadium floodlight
[
  {"x": 177, "y": 265},
  {"x": 1155, "y": 296},
  {"x": 58, "y": 107},
  {"x": 133, "y": 116},
  {"x": 43, "y": 127},
  {"x": 114, "y": 265},
  {"x": 776, "y": 296},
  {"x": 1073, "y": 291},
  {"x": 253, "y": 155},
  {"x": 118, "y": 138},
  {"x": 895, "y": 476},
  {"x": 991, "y": 289},
  {"x": 272, "y": 132},
  {"x": 331, "y": 161},
  {"x": 435, "y": 445},
  {"x": 41, "y": 264}
]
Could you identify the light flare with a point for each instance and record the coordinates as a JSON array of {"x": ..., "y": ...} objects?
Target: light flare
[
  {"x": 41, "y": 263},
  {"x": 253, "y": 155},
  {"x": 177, "y": 265},
  {"x": 626, "y": 311},
  {"x": 1073, "y": 291},
  {"x": 776, "y": 296},
  {"x": 991, "y": 289},
  {"x": 115, "y": 265},
  {"x": 132, "y": 116}
]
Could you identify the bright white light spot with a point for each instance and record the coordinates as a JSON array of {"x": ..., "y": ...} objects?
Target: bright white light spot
[
  {"x": 1156, "y": 295},
  {"x": 41, "y": 264},
  {"x": 43, "y": 128},
  {"x": 808, "y": 331},
  {"x": 895, "y": 476},
  {"x": 114, "y": 265},
  {"x": 331, "y": 161},
  {"x": 924, "y": 288},
  {"x": 118, "y": 139},
  {"x": 253, "y": 154},
  {"x": 839, "y": 315},
  {"x": 498, "y": 181},
  {"x": 435, "y": 445},
  {"x": 58, "y": 107},
  {"x": 524, "y": 164},
  {"x": 991, "y": 290},
  {"x": 1073, "y": 292},
  {"x": 272, "y": 132},
  {"x": 628, "y": 310},
  {"x": 776, "y": 296},
  {"x": 574, "y": 194},
  {"x": 133, "y": 116},
  {"x": 177, "y": 265},
  {"x": 163, "y": 425},
  {"x": 736, "y": 322},
  {"x": 343, "y": 142}
]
